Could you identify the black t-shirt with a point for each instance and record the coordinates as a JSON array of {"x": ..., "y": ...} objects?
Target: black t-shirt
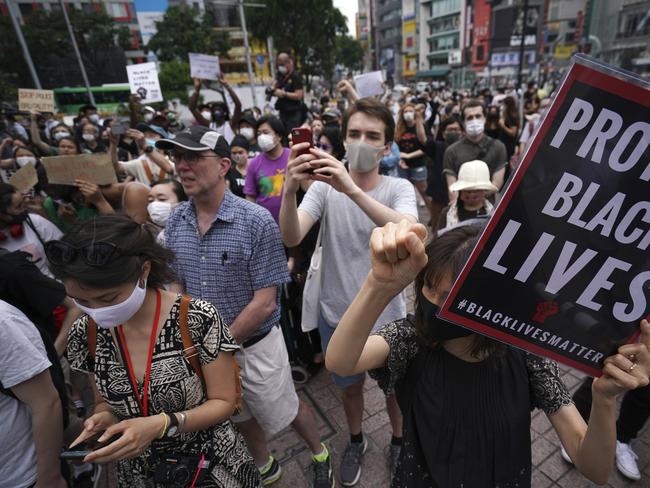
[
  {"x": 289, "y": 83},
  {"x": 437, "y": 183},
  {"x": 409, "y": 143},
  {"x": 237, "y": 181}
]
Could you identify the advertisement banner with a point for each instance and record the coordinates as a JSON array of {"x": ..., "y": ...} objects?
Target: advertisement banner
[{"x": 563, "y": 267}]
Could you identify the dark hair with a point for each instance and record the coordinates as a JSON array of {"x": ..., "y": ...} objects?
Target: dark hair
[
  {"x": 72, "y": 140},
  {"x": 177, "y": 188},
  {"x": 273, "y": 122},
  {"x": 6, "y": 191},
  {"x": 334, "y": 135},
  {"x": 471, "y": 104},
  {"x": 372, "y": 108},
  {"x": 240, "y": 141},
  {"x": 138, "y": 240},
  {"x": 223, "y": 106},
  {"x": 447, "y": 255},
  {"x": 452, "y": 119}
]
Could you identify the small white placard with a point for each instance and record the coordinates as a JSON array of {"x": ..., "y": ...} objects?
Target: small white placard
[
  {"x": 143, "y": 79},
  {"x": 369, "y": 84},
  {"x": 204, "y": 66}
]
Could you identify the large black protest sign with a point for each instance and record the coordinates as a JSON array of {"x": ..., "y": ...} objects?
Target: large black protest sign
[{"x": 563, "y": 267}]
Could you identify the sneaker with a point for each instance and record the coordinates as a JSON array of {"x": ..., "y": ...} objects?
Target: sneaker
[
  {"x": 351, "y": 462},
  {"x": 323, "y": 476},
  {"x": 393, "y": 457},
  {"x": 626, "y": 461},
  {"x": 272, "y": 473},
  {"x": 565, "y": 455}
]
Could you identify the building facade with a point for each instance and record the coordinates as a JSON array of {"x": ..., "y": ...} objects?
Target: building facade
[
  {"x": 388, "y": 38},
  {"x": 439, "y": 38}
]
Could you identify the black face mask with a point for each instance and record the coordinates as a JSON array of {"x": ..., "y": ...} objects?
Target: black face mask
[
  {"x": 439, "y": 329},
  {"x": 452, "y": 137}
]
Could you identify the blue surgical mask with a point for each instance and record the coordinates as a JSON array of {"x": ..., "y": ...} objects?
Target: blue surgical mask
[{"x": 151, "y": 142}]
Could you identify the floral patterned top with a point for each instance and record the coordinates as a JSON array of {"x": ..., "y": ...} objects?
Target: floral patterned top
[{"x": 174, "y": 387}]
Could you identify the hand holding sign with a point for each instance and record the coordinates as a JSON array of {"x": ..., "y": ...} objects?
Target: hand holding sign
[
  {"x": 397, "y": 254},
  {"x": 627, "y": 370}
]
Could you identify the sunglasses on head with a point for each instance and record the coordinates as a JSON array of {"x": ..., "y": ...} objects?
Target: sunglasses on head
[{"x": 96, "y": 254}]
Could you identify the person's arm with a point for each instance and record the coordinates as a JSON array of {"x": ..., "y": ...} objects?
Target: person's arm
[
  {"x": 36, "y": 134},
  {"x": 39, "y": 394},
  {"x": 498, "y": 177},
  {"x": 160, "y": 160},
  {"x": 397, "y": 255},
  {"x": 136, "y": 199},
  {"x": 134, "y": 109},
  {"x": 420, "y": 131},
  {"x": 332, "y": 171},
  {"x": 344, "y": 86},
  {"x": 234, "y": 119},
  {"x": 592, "y": 447},
  {"x": 113, "y": 141},
  {"x": 73, "y": 313},
  {"x": 294, "y": 95},
  {"x": 510, "y": 131},
  {"x": 255, "y": 313},
  {"x": 93, "y": 195},
  {"x": 413, "y": 155},
  {"x": 192, "y": 105}
]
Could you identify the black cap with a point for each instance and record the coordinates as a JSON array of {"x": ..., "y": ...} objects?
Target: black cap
[
  {"x": 240, "y": 141},
  {"x": 197, "y": 138},
  {"x": 248, "y": 118}
]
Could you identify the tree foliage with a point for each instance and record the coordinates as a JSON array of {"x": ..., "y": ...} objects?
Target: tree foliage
[
  {"x": 349, "y": 52},
  {"x": 183, "y": 31},
  {"x": 47, "y": 37},
  {"x": 308, "y": 30},
  {"x": 174, "y": 79}
]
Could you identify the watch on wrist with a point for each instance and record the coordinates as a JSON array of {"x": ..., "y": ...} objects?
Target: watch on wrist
[
  {"x": 172, "y": 430},
  {"x": 148, "y": 149}
]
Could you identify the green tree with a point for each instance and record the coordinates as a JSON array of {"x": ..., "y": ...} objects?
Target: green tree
[
  {"x": 174, "y": 79},
  {"x": 182, "y": 30},
  {"x": 309, "y": 32},
  {"x": 349, "y": 52}
]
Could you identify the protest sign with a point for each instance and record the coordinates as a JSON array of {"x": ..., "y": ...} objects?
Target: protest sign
[
  {"x": 143, "y": 80},
  {"x": 204, "y": 66},
  {"x": 563, "y": 269},
  {"x": 64, "y": 170},
  {"x": 24, "y": 179},
  {"x": 39, "y": 100},
  {"x": 369, "y": 84}
]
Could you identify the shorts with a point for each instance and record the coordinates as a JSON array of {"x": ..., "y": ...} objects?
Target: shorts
[
  {"x": 267, "y": 387},
  {"x": 418, "y": 173},
  {"x": 326, "y": 332}
]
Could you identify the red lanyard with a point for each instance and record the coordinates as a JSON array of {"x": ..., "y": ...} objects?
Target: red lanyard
[{"x": 143, "y": 401}]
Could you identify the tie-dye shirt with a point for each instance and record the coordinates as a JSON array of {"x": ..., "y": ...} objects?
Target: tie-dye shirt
[{"x": 264, "y": 181}]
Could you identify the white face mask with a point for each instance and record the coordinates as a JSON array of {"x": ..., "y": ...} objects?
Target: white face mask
[
  {"x": 409, "y": 116},
  {"x": 474, "y": 127},
  {"x": 114, "y": 315},
  {"x": 60, "y": 135},
  {"x": 282, "y": 70},
  {"x": 94, "y": 118},
  {"x": 159, "y": 212},
  {"x": 88, "y": 137},
  {"x": 25, "y": 160},
  {"x": 362, "y": 157},
  {"x": 247, "y": 132},
  {"x": 207, "y": 115},
  {"x": 266, "y": 142},
  {"x": 148, "y": 117}
]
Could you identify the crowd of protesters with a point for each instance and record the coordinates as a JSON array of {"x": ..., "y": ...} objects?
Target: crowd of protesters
[{"x": 145, "y": 321}]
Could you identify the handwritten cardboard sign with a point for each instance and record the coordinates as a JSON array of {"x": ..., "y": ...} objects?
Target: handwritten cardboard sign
[
  {"x": 143, "y": 80},
  {"x": 204, "y": 66},
  {"x": 64, "y": 170},
  {"x": 40, "y": 100},
  {"x": 369, "y": 84},
  {"x": 24, "y": 179},
  {"x": 562, "y": 269}
]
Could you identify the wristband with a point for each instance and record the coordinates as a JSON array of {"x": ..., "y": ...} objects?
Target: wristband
[{"x": 164, "y": 429}]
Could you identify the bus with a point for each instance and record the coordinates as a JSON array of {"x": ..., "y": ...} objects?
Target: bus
[{"x": 109, "y": 98}]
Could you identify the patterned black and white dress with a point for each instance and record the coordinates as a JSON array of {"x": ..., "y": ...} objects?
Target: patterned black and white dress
[{"x": 174, "y": 387}]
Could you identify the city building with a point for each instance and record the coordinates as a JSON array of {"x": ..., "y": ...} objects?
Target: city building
[
  {"x": 631, "y": 47},
  {"x": 365, "y": 33},
  {"x": 388, "y": 38}
]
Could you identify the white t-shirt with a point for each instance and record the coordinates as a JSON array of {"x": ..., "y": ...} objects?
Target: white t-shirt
[
  {"x": 22, "y": 356},
  {"x": 30, "y": 243},
  {"x": 225, "y": 130},
  {"x": 135, "y": 168},
  {"x": 346, "y": 255}
]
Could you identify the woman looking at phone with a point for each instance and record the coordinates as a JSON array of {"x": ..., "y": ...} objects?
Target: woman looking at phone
[
  {"x": 466, "y": 399},
  {"x": 134, "y": 339}
]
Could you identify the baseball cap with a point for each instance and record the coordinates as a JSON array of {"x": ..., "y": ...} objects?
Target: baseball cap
[
  {"x": 197, "y": 138},
  {"x": 152, "y": 128}
]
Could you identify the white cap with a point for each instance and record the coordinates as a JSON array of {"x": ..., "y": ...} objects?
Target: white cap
[{"x": 473, "y": 175}]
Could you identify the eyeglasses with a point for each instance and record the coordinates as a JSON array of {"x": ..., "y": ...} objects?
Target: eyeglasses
[
  {"x": 96, "y": 254},
  {"x": 190, "y": 158}
]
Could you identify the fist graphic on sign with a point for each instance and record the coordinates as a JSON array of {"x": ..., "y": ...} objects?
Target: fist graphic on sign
[{"x": 545, "y": 310}]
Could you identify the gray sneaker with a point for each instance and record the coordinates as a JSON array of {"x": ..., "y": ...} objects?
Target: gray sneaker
[{"x": 350, "y": 471}]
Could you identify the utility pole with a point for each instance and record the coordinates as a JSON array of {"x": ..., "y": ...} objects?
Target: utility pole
[
  {"x": 522, "y": 44},
  {"x": 251, "y": 76},
  {"x": 14, "y": 13},
  {"x": 77, "y": 53}
]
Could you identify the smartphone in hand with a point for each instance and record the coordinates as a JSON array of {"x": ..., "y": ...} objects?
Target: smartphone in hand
[
  {"x": 118, "y": 129},
  {"x": 300, "y": 135}
]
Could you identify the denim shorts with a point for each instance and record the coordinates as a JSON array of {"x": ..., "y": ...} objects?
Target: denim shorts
[
  {"x": 326, "y": 332},
  {"x": 414, "y": 174}
]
